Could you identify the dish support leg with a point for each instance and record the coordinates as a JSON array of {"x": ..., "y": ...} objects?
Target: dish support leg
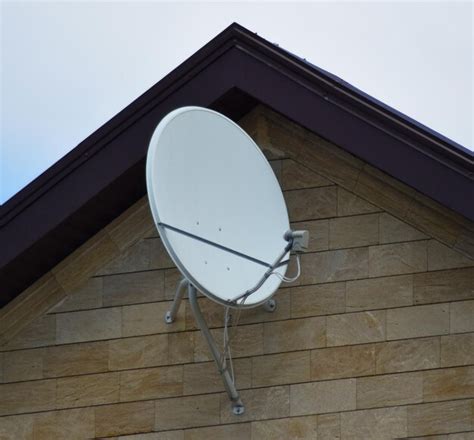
[
  {"x": 170, "y": 315},
  {"x": 237, "y": 405}
]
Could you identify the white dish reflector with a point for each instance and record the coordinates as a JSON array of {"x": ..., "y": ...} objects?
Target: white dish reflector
[{"x": 217, "y": 204}]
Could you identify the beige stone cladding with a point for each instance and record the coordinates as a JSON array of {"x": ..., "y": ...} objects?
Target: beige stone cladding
[{"x": 374, "y": 341}]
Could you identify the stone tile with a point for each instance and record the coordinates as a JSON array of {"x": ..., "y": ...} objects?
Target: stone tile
[
  {"x": 311, "y": 204},
  {"x": 90, "y": 325},
  {"x": 314, "y": 300},
  {"x": 71, "y": 424},
  {"x": 393, "y": 230},
  {"x": 460, "y": 436},
  {"x": 23, "y": 365},
  {"x": 146, "y": 319},
  {"x": 77, "y": 267},
  {"x": 448, "y": 384},
  {"x": 146, "y": 254},
  {"x": 138, "y": 352},
  {"x": 340, "y": 362},
  {"x": 2, "y": 363},
  {"x": 419, "y": 321},
  {"x": 22, "y": 397},
  {"x": 239, "y": 431},
  {"x": 340, "y": 265},
  {"x": 443, "y": 286},
  {"x": 350, "y": 204},
  {"x": 70, "y": 360},
  {"x": 329, "y": 427},
  {"x": 262, "y": 403},
  {"x": 386, "y": 192},
  {"x": 318, "y": 234},
  {"x": 276, "y": 167},
  {"x": 296, "y": 333},
  {"x": 248, "y": 341},
  {"x": 301, "y": 428},
  {"x": 124, "y": 418},
  {"x": 17, "y": 427},
  {"x": 354, "y": 231},
  {"x": 431, "y": 437},
  {"x": 439, "y": 418},
  {"x": 87, "y": 296},
  {"x": 457, "y": 350},
  {"x": 94, "y": 389},
  {"x": 435, "y": 219},
  {"x": 465, "y": 242},
  {"x": 151, "y": 383},
  {"x": 270, "y": 429},
  {"x": 416, "y": 354},
  {"x": 442, "y": 257},
  {"x": 159, "y": 257},
  {"x": 187, "y": 412},
  {"x": 379, "y": 293},
  {"x": 280, "y": 369},
  {"x": 313, "y": 151},
  {"x": 389, "y": 390},
  {"x": 323, "y": 397},
  {"x": 374, "y": 424},
  {"x": 181, "y": 347},
  {"x": 203, "y": 378},
  {"x": 132, "y": 225},
  {"x": 259, "y": 314},
  {"x": 355, "y": 328},
  {"x": 169, "y": 435},
  {"x": 39, "y": 333},
  {"x": 134, "y": 288},
  {"x": 462, "y": 316},
  {"x": 397, "y": 259},
  {"x": 296, "y": 176}
]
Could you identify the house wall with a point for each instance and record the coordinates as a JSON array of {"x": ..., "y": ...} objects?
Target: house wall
[{"x": 374, "y": 341}]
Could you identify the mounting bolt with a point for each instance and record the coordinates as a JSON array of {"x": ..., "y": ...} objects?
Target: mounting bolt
[
  {"x": 168, "y": 318},
  {"x": 270, "y": 305},
  {"x": 238, "y": 409}
]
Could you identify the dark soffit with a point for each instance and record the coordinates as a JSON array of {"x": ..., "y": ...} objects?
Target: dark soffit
[{"x": 104, "y": 174}]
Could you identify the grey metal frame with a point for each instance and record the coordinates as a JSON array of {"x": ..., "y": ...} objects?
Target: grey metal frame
[
  {"x": 170, "y": 315},
  {"x": 234, "y": 396}
]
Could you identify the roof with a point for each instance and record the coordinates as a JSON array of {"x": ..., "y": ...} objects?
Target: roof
[{"x": 235, "y": 71}]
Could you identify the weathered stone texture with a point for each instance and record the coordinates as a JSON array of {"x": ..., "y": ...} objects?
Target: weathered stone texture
[
  {"x": 321, "y": 397},
  {"x": 339, "y": 362},
  {"x": 414, "y": 322},
  {"x": 440, "y": 418},
  {"x": 356, "y": 328}
]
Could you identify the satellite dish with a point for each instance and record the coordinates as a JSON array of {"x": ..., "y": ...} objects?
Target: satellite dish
[
  {"x": 217, "y": 203},
  {"x": 221, "y": 215}
]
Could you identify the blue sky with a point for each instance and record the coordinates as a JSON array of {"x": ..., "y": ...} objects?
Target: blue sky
[{"x": 68, "y": 67}]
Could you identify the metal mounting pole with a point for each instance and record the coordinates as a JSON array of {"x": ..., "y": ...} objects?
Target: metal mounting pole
[
  {"x": 178, "y": 296},
  {"x": 237, "y": 405}
]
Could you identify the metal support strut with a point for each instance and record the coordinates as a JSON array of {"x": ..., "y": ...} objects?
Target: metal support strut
[
  {"x": 178, "y": 296},
  {"x": 237, "y": 405}
]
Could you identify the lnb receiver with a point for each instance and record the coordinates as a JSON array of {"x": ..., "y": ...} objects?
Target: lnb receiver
[{"x": 299, "y": 240}]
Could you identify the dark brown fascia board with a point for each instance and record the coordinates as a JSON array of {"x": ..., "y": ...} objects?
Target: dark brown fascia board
[{"x": 104, "y": 174}]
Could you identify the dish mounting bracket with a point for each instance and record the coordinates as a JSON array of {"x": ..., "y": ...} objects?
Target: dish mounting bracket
[{"x": 234, "y": 396}]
